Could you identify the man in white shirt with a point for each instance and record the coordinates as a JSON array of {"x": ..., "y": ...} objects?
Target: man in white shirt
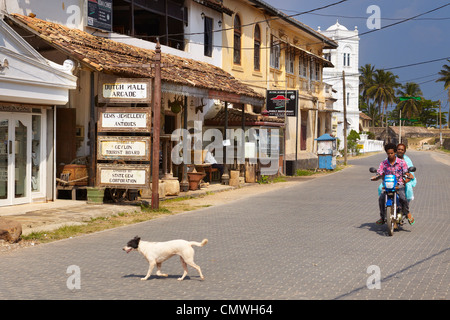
[{"x": 209, "y": 158}]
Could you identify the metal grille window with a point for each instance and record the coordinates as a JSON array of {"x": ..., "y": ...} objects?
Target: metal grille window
[
  {"x": 257, "y": 49},
  {"x": 317, "y": 71},
  {"x": 274, "y": 53},
  {"x": 208, "y": 37},
  {"x": 237, "y": 40},
  {"x": 290, "y": 59},
  {"x": 302, "y": 67}
]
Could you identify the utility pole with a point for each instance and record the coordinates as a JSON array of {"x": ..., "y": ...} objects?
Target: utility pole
[
  {"x": 440, "y": 124},
  {"x": 156, "y": 126},
  {"x": 345, "y": 118}
]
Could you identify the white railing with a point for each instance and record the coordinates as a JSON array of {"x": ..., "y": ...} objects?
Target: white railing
[{"x": 370, "y": 145}]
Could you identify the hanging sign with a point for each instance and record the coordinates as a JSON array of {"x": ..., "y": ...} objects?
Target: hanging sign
[
  {"x": 124, "y": 120},
  {"x": 123, "y": 175},
  {"x": 280, "y": 100},
  {"x": 99, "y": 14},
  {"x": 123, "y": 148},
  {"x": 124, "y": 90}
]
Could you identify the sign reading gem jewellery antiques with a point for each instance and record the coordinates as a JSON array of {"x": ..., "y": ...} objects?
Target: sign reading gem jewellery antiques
[
  {"x": 123, "y": 148},
  {"x": 124, "y": 120},
  {"x": 123, "y": 176},
  {"x": 124, "y": 90}
]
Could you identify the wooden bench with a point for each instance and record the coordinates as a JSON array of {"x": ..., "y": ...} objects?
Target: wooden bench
[
  {"x": 72, "y": 189},
  {"x": 210, "y": 170}
]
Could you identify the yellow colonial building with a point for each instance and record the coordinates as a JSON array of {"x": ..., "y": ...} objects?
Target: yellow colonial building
[{"x": 281, "y": 58}]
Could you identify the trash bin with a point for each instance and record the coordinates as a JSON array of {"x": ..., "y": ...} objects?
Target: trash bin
[{"x": 326, "y": 151}]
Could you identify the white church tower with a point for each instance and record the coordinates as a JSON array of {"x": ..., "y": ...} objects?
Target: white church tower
[{"x": 344, "y": 58}]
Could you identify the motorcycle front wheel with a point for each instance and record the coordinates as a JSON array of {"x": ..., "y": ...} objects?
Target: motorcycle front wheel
[{"x": 390, "y": 214}]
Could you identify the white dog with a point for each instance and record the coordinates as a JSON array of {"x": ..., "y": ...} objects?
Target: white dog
[{"x": 158, "y": 252}]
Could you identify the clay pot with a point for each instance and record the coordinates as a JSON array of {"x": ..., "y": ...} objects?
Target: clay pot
[{"x": 194, "y": 179}]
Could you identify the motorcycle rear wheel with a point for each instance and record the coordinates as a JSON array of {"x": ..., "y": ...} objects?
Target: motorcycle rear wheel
[{"x": 390, "y": 222}]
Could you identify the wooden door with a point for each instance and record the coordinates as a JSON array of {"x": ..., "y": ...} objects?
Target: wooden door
[{"x": 65, "y": 137}]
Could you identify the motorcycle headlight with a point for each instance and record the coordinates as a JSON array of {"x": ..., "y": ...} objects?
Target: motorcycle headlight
[{"x": 389, "y": 184}]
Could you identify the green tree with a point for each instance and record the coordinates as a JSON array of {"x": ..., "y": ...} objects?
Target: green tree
[
  {"x": 429, "y": 115},
  {"x": 370, "y": 110},
  {"x": 366, "y": 81},
  {"x": 445, "y": 77},
  {"x": 383, "y": 90},
  {"x": 410, "y": 108},
  {"x": 352, "y": 141}
]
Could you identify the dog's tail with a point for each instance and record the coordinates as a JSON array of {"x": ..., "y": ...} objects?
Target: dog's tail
[{"x": 199, "y": 244}]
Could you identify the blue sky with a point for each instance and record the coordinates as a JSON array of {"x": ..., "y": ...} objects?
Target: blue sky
[{"x": 423, "y": 39}]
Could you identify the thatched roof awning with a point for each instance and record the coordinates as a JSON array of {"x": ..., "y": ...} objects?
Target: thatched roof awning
[
  {"x": 251, "y": 119},
  {"x": 178, "y": 74}
]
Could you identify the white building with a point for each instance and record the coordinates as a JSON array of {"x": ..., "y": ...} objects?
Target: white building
[
  {"x": 344, "y": 58},
  {"x": 31, "y": 88}
]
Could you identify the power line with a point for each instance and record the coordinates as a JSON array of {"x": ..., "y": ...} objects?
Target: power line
[
  {"x": 365, "y": 18},
  {"x": 280, "y": 16},
  {"x": 415, "y": 64},
  {"x": 393, "y": 24}
]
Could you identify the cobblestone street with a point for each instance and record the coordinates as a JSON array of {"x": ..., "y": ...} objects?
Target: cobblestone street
[{"x": 312, "y": 240}]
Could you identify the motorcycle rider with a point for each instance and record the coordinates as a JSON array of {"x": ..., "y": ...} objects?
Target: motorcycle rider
[{"x": 398, "y": 167}]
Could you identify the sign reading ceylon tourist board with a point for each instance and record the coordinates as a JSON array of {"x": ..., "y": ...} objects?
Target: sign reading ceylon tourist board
[
  {"x": 124, "y": 176},
  {"x": 124, "y": 90},
  {"x": 124, "y": 120},
  {"x": 123, "y": 148}
]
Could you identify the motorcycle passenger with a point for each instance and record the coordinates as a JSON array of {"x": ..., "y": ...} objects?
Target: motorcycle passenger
[
  {"x": 398, "y": 167},
  {"x": 401, "y": 150}
]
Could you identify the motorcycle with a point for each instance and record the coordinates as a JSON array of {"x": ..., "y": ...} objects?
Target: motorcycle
[{"x": 394, "y": 216}]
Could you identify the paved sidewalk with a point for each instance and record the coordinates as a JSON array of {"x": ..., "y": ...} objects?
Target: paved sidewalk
[{"x": 49, "y": 216}]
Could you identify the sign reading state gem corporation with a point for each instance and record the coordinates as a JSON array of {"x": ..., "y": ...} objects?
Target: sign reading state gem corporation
[{"x": 123, "y": 176}]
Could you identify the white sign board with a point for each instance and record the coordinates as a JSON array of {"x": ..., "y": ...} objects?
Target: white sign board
[
  {"x": 124, "y": 90},
  {"x": 123, "y": 148},
  {"x": 124, "y": 120},
  {"x": 123, "y": 176}
]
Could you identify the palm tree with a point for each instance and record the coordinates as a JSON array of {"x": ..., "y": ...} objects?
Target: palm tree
[
  {"x": 366, "y": 80},
  {"x": 383, "y": 90},
  {"x": 409, "y": 107},
  {"x": 445, "y": 77}
]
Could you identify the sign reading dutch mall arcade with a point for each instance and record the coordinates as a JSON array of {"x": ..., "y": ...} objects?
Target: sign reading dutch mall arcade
[
  {"x": 280, "y": 100},
  {"x": 124, "y": 90}
]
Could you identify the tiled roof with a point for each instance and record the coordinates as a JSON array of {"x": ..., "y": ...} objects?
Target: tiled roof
[
  {"x": 364, "y": 116},
  {"x": 235, "y": 118},
  {"x": 125, "y": 60},
  {"x": 216, "y": 5}
]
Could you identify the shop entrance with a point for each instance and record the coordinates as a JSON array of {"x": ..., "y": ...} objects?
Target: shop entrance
[{"x": 15, "y": 158}]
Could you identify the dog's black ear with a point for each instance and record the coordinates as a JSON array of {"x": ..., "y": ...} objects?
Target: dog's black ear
[{"x": 137, "y": 238}]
